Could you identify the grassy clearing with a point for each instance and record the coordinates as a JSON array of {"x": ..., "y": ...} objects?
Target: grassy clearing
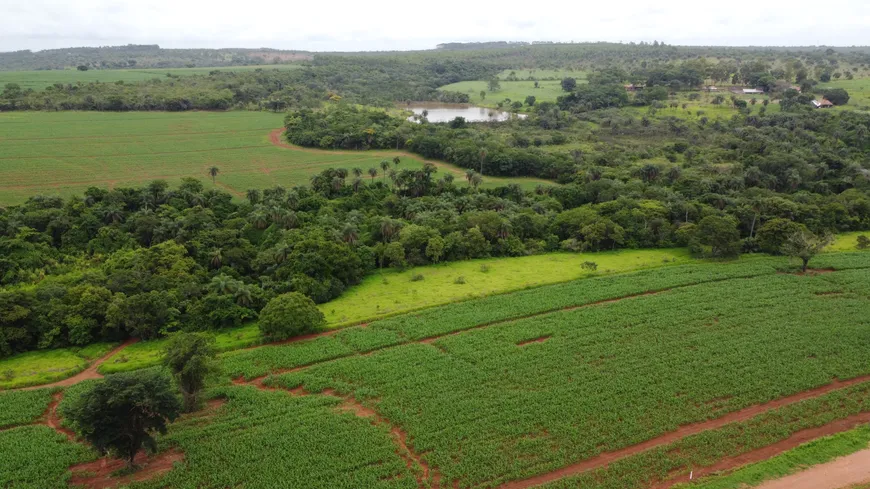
[
  {"x": 547, "y": 91},
  {"x": 149, "y": 353},
  {"x": 64, "y": 153},
  {"x": 816, "y": 452},
  {"x": 641, "y": 367},
  {"x": 45, "y": 366},
  {"x": 38, "y": 80},
  {"x": 390, "y": 292},
  {"x": 847, "y": 241},
  {"x": 540, "y": 74},
  {"x": 859, "y": 91}
]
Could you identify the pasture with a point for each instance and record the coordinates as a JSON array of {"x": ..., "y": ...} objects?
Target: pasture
[
  {"x": 543, "y": 74},
  {"x": 515, "y": 391},
  {"x": 517, "y": 91},
  {"x": 64, "y": 153},
  {"x": 38, "y": 80}
]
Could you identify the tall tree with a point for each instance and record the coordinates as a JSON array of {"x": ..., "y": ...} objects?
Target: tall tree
[
  {"x": 213, "y": 173},
  {"x": 191, "y": 358},
  {"x": 805, "y": 245},
  {"x": 121, "y": 413}
]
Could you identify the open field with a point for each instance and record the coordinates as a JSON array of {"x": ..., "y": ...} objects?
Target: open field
[
  {"x": 64, "y": 153},
  {"x": 547, "y": 91},
  {"x": 543, "y": 74},
  {"x": 42, "y": 367},
  {"x": 514, "y": 391},
  {"x": 859, "y": 91},
  {"x": 38, "y": 80}
]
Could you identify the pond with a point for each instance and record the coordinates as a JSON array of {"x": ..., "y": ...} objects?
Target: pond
[{"x": 448, "y": 112}]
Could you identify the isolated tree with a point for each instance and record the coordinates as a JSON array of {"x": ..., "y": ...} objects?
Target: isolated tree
[
  {"x": 213, "y": 173},
  {"x": 482, "y": 95},
  {"x": 82, "y": 67},
  {"x": 569, "y": 84},
  {"x": 289, "y": 315},
  {"x": 805, "y": 245},
  {"x": 385, "y": 165},
  {"x": 373, "y": 172},
  {"x": 537, "y": 85},
  {"x": 494, "y": 84},
  {"x": 120, "y": 414},
  {"x": 191, "y": 358},
  {"x": 396, "y": 161},
  {"x": 530, "y": 100}
]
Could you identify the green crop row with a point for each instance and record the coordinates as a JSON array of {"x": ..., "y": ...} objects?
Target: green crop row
[
  {"x": 485, "y": 407},
  {"x": 23, "y": 407},
  {"x": 704, "y": 449},
  {"x": 37, "y": 457}
]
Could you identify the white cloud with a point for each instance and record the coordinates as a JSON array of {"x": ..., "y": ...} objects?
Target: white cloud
[{"x": 400, "y": 24}]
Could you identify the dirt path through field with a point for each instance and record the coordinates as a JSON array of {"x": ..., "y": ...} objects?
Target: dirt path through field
[
  {"x": 86, "y": 374},
  {"x": 742, "y": 415},
  {"x": 839, "y": 473}
]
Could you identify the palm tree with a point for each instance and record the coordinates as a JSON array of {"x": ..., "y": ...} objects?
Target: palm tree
[
  {"x": 259, "y": 219},
  {"x": 243, "y": 296},
  {"x": 357, "y": 172},
  {"x": 468, "y": 175},
  {"x": 224, "y": 284},
  {"x": 476, "y": 180},
  {"x": 216, "y": 258},
  {"x": 280, "y": 254},
  {"x": 393, "y": 176},
  {"x": 388, "y": 228},
  {"x": 350, "y": 234},
  {"x": 357, "y": 182},
  {"x": 482, "y": 159},
  {"x": 253, "y": 196},
  {"x": 113, "y": 214},
  {"x": 385, "y": 165},
  {"x": 396, "y": 161},
  {"x": 373, "y": 172},
  {"x": 213, "y": 172}
]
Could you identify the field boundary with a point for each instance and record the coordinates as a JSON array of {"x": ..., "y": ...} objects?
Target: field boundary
[
  {"x": 744, "y": 414},
  {"x": 88, "y": 373}
]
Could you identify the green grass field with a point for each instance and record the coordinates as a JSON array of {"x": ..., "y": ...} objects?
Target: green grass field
[
  {"x": 543, "y": 74},
  {"x": 45, "y": 366},
  {"x": 38, "y": 80},
  {"x": 547, "y": 91},
  {"x": 390, "y": 292},
  {"x": 859, "y": 91},
  {"x": 64, "y": 153}
]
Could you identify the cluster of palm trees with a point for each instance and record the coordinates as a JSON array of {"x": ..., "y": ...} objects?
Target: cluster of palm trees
[
  {"x": 226, "y": 285},
  {"x": 473, "y": 178}
]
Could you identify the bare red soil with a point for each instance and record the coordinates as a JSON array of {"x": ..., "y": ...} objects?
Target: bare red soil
[
  {"x": 98, "y": 474},
  {"x": 52, "y": 420},
  {"x": 536, "y": 340},
  {"x": 745, "y": 414}
]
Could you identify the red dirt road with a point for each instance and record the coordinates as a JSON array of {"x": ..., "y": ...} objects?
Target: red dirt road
[
  {"x": 842, "y": 472},
  {"x": 98, "y": 474},
  {"x": 743, "y": 415},
  {"x": 86, "y": 374}
]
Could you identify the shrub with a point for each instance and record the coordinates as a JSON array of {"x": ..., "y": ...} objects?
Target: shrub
[
  {"x": 289, "y": 315},
  {"x": 416, "y": 277},
  {"x": 459, "y": 280},
  {"x": 863, "y": 242},
  {"x": 589, "y": 265},
  {"x": 485, "y": 268}
]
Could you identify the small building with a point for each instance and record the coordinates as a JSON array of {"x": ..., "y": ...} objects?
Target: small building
[
  {"x": 823, "y": 104},
  {"x": 711, "y": 88},
  {"x": 753, "y": 91},
  {"x": 631, "y": 87}
]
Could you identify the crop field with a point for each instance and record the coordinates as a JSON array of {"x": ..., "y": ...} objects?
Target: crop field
[
  {"x": 514, "y": 390},
  {"x": 38, "y": 80},
  {"x": 64, "y": 153},
  {"x": 547, "y": 91}
]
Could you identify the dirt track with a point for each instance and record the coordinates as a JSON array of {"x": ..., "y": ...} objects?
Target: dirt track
[
  {"x": 86, "y": 374},
  {"x": 836, "y": 474}
]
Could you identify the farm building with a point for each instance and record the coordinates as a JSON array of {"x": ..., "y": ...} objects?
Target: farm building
[
  {"x": 752, "y": 91},
  {"x": 823, "y": 104}
]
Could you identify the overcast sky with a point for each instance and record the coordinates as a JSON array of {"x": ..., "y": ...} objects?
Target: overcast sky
[{"x": 343, "y": 25}]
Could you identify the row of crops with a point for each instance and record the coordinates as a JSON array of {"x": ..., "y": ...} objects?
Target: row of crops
[
  {"x": 485, "y": 407},
  {"x": 486, "y": 411}
]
